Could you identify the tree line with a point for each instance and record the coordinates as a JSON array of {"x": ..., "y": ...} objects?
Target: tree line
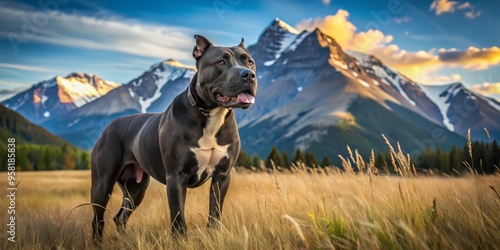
[
  {"x": 485, "y": 159},
  {"x": 47, "y": 157},
  {"x": 282, "y": 160}
]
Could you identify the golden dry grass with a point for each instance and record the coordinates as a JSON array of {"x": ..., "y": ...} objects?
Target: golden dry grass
[{"x": 265, "y": 211}]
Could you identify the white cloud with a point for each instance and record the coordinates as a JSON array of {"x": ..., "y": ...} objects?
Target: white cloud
[
  {"x": 442, "y": 79},
  {"x": 24, "y": 67},
  {"x": 399, "y": 20},
  {"x": 11, "y": 84},
  {"x": 464, "y": 6},
  {"x": 471, "y": 14},
  {"x": 326, "y": 2},
  {"x": 110, "y": 33}
]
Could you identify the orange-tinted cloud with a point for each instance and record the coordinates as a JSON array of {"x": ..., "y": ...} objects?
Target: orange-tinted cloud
[
  {"x": 419, "y": 65},
  {"x": 445, "y": 6},
  {"x": 336, "y": 26},
  {"x": 374, "y": 42},
  {"x": 487, "y": 88},
  {"x": 344, "y": 32},
  {"x": 416, "y": 65},
  {"x": 472, "y": 58}
]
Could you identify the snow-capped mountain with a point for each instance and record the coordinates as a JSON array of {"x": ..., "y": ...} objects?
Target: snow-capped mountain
[
  {"x": 396, "y": 84},
  {"x": 156, "y": 88},
  {"x": 463, "y": 109},
  {"x": 451, "y": 105},
  {"x": 318, "y": 97},
  {"x": 52, "y": 98},
  {"x": 299, "y": 60},
  {"x": 152, "y": 91}
]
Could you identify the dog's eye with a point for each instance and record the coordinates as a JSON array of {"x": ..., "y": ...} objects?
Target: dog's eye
[
  {"x": 250, "y": 63},
  {"x": 221, "y": 62}
]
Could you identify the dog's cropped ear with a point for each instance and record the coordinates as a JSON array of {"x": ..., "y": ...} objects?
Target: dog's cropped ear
[
  {"x": 201, "y": 45},
  {"x": 242, "y": 43}
]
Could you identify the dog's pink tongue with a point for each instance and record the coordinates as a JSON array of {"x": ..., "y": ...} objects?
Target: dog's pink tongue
[{"x": 246, "y": 98}]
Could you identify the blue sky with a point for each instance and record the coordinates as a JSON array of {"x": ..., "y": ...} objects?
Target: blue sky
[{"x": 429, "y": 41}]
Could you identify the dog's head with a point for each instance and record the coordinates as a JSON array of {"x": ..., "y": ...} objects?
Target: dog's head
[{"x": 226, "y": 75}]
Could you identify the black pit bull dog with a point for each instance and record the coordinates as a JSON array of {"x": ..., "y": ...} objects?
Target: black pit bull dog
[{"x": 194, "y": 139}]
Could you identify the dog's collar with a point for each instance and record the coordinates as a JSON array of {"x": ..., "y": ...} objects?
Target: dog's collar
[{"x": 193, "y": 102}]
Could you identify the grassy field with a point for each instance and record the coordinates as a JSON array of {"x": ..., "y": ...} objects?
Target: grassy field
[{"x": 270, "y": 211}]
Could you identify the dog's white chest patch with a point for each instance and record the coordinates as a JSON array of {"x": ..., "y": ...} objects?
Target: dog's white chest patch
[{"x": 209, "y": 153}]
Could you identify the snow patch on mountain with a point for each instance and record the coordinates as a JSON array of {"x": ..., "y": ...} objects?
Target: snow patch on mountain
[
  {"x": 50, "y": 83},
  {"x": 169, "y": 73},
  {"x": 290, "y": 39},
  {"x": 304, "y": 141},
  {"x": 364, "y": 83},
  {"x": 386, "y": 74},
  {"x": 81, "y": 92},
  {"x": 394, "y": 79},
  {"x": 189, "y": 74},
  {"x": 397, "y": 85},
  {"x": 269, "y": 63},
  {"x": 137, "y": 83},
  {"x": 286, "y": 27},
  {"x": 491, "y": 102},
  {"x": 175, "y": 63},
  {"x": 286, "y": 41},
  {"x": 44, "y": 98},
  {"x": 131, "y": 92},
  {"x": 362, "y": 58},
  {"x": 73, "y": 122},
  {"x": 297, "y": 41},
  {"x": 335, "y": 62},
  {"x": 436, "y": 94}
]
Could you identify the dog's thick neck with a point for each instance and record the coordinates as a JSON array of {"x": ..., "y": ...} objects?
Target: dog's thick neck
[{"x": 196, "y": 101}]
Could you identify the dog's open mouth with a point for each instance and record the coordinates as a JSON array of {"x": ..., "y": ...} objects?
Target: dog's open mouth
[{"x": 243, "y": 98}]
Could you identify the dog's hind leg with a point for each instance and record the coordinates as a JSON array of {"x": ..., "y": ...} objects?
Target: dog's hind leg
[
  {"x": 106, "y": 164},
  {"x": 133, "y": 186},
  {"x": 100, "y": 194}
]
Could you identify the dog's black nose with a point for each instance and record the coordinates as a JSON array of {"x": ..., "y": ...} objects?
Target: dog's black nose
[{"x": 247, "y": 75}]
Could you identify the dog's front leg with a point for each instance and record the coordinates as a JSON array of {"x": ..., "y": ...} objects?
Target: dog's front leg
[
  {"x": 176, "y": 192},
  {"x": 218, "y": 190}
]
